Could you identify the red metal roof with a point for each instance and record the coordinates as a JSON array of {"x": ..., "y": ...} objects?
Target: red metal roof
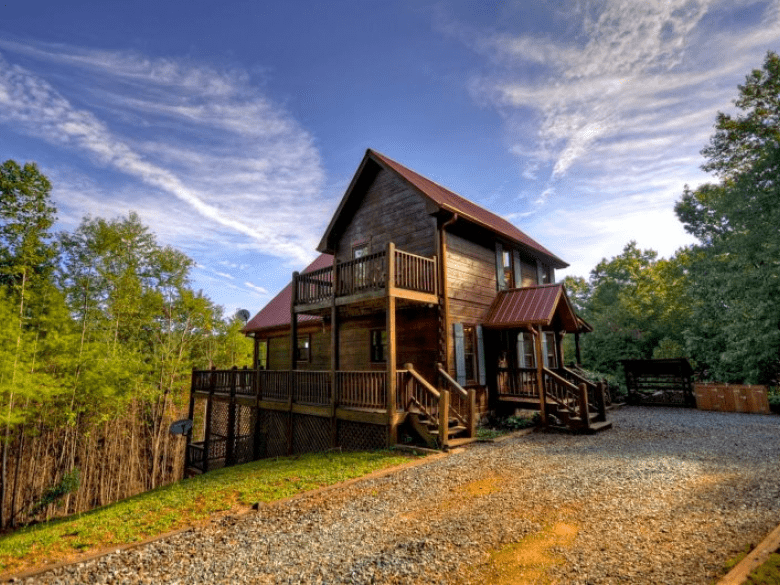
[
  {"x": 277, "y": 312},
  {"x": 536, "y": 305},
  {"x": 455, "y": 203}
]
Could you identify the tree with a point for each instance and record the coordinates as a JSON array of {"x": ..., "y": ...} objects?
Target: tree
[
  {"x": 636, "y": 303},
  {"x": 735, "y": 270}
]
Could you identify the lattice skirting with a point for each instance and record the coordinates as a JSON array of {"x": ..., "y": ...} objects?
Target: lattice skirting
[
  {"x": 310, "y": 433},
  {"x": 259, "y": 434},
  {"x": 356, "y": 436},
  {"x": 274, "y": 429}
]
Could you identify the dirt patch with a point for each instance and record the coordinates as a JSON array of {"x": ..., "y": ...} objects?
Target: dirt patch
[{"x": 526, "y": 562}]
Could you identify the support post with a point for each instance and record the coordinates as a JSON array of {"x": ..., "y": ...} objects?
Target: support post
[
  {"x": 577, "y": 354},
  {"x": 294, "y": 323},
  {"x": 392, "y": 430},
  {"x": 472, "y": 413},
  {"x": 207, "y": 430},
  {"x": 334, "y": 358},
  {"x": 231, "y": 422},
  {"x": 191, "y": 416},
  {"x": 444, "y": 418},
  {"x": 584, "y": 415},
  {"x": 537, "y": 333}
]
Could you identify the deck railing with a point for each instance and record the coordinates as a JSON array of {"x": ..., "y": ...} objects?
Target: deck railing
[
  {"x": 414, "y": 272},
  {"x": 315, "y": 286},
  {"x": 462, "y": 402},
  {"x": 366, "y": 274},
  {"x": 362, "y": 389},
  {"x": 519, "y": 382}
]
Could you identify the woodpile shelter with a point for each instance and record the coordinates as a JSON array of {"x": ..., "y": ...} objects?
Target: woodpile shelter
[
  {"x": 423, "y": 312},
  {"x": 666, "y": 382}
]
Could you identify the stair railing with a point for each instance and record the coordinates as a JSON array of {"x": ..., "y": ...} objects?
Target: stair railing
[
  {"x": 572, "y": 399},
  {"x": 431, "y": 402},
  {"x": 463, "y": 403},
  {"x": 597, "y": 392}
]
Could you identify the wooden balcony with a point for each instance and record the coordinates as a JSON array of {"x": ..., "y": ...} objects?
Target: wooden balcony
[{"x": 390, "y": 272}]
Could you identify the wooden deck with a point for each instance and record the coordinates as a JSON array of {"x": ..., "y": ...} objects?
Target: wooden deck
[
  {"x": 406, "y": 276},
  {"x": 300, "y": 410}
]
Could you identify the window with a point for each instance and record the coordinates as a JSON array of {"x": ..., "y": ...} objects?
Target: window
[
  {"x": 303, "y": 351},
  {"x": 378, "y": 345},
  {"x": 509, "y": 280},
  {"x": 550, "y": 360},
  {"x": 360, "y": 274},
  {"x": 547, "y": 274},
  {"x": 469, "y": 354},
  {"x": 262, "y": 354},
  {"x": 525, "y": 350}
]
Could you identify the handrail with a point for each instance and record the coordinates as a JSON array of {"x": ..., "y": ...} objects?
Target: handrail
[
  {"x": 578, "y": 377},
  {"x": 457, "y": 387},
  {"x": 424, "y": 383},
  {"x": 566, "y": 384}
]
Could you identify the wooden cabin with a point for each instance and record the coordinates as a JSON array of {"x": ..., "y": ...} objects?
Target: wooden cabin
[{"x": 423, "y": 312}]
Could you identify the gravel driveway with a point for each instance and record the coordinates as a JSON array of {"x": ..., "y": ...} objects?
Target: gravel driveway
[{"x": 666, "y": 496}]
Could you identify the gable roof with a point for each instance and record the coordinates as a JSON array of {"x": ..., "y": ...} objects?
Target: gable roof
[
  {"x": 277, "y": 312},
  {"x": 536, "y": 305},
  {"x": 442, "y": 198}
]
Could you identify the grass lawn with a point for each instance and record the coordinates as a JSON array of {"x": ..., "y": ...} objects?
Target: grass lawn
[{"x": 187, "y": 502}]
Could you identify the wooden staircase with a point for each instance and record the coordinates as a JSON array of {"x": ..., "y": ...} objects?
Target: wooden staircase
[
  {"x": 574, "y": 404},
  {"x": 428, "y": 430},
  {"x": 441, "y": 418}
]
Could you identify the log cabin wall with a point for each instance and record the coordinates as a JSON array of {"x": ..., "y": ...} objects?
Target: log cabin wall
[
  {"x": 416, "y": 340},
  {"x": 390, "y": 210},
  {"x": 279, "y": 349},
  {"x": 471, "y": 288}
]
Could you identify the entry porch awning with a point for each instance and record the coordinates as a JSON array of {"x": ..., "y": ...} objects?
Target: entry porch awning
[{"x": 546, "y": 305}]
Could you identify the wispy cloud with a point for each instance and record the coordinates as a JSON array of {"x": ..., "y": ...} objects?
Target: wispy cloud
[
  {"x": 631, "y": 70},
  {"x": 257, "y": 289},
  {"x": 234, "y": 162},
  {"x": 608, "y": 121}
]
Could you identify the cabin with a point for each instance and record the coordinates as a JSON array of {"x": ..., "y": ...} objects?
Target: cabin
[{"x": 423, "y": 313}]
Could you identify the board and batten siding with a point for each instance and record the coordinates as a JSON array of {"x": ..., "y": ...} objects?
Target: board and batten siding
[{"x": 390, "y": 211}]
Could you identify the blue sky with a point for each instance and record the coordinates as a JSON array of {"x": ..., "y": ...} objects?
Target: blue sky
[{"x": 234, "y": 128}]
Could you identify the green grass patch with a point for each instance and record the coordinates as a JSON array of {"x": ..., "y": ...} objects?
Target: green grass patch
[
  {"x": 768, "y": 573},
  {"x": 186, "y": 502}
]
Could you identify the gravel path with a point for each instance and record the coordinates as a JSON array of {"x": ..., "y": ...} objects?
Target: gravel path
[{"x": 666, "y": 496}]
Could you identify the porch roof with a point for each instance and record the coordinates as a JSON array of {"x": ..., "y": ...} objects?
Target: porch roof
[{"x": 535, "y": 305}]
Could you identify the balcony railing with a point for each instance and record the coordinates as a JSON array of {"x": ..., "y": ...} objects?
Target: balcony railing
[{"x": 367, "y": 274}]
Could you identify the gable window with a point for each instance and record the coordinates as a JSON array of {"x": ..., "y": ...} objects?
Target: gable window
[
  {"x": 378, "y": 345},
  {"x": 303, "y": 351},
  {"x": 359, "y": 273}
]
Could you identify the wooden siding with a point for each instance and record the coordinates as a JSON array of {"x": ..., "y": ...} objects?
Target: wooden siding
[
  {"x": 279, "y": 349},
  {"x": 390, "y": 210},
  {"x": 471, "y": 284}
]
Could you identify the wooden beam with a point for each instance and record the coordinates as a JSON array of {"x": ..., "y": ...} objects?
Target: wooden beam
[
  {"x": 540, "y": 374},
  {"x": 294, "y": 323},
  {"x": 334, "y": 357},
  {"x": 391, "y": 356}
]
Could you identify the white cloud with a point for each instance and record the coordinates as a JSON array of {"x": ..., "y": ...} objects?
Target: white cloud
[
  {"x": 257, "y": 289},
  {"x": 236, "y": 164}
]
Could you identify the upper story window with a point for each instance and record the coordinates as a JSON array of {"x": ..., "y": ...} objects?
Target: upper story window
[{"x": 506, "y": 261}]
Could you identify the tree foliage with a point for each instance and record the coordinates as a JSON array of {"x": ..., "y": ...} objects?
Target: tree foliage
[{"x": 735, "y": 269}]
